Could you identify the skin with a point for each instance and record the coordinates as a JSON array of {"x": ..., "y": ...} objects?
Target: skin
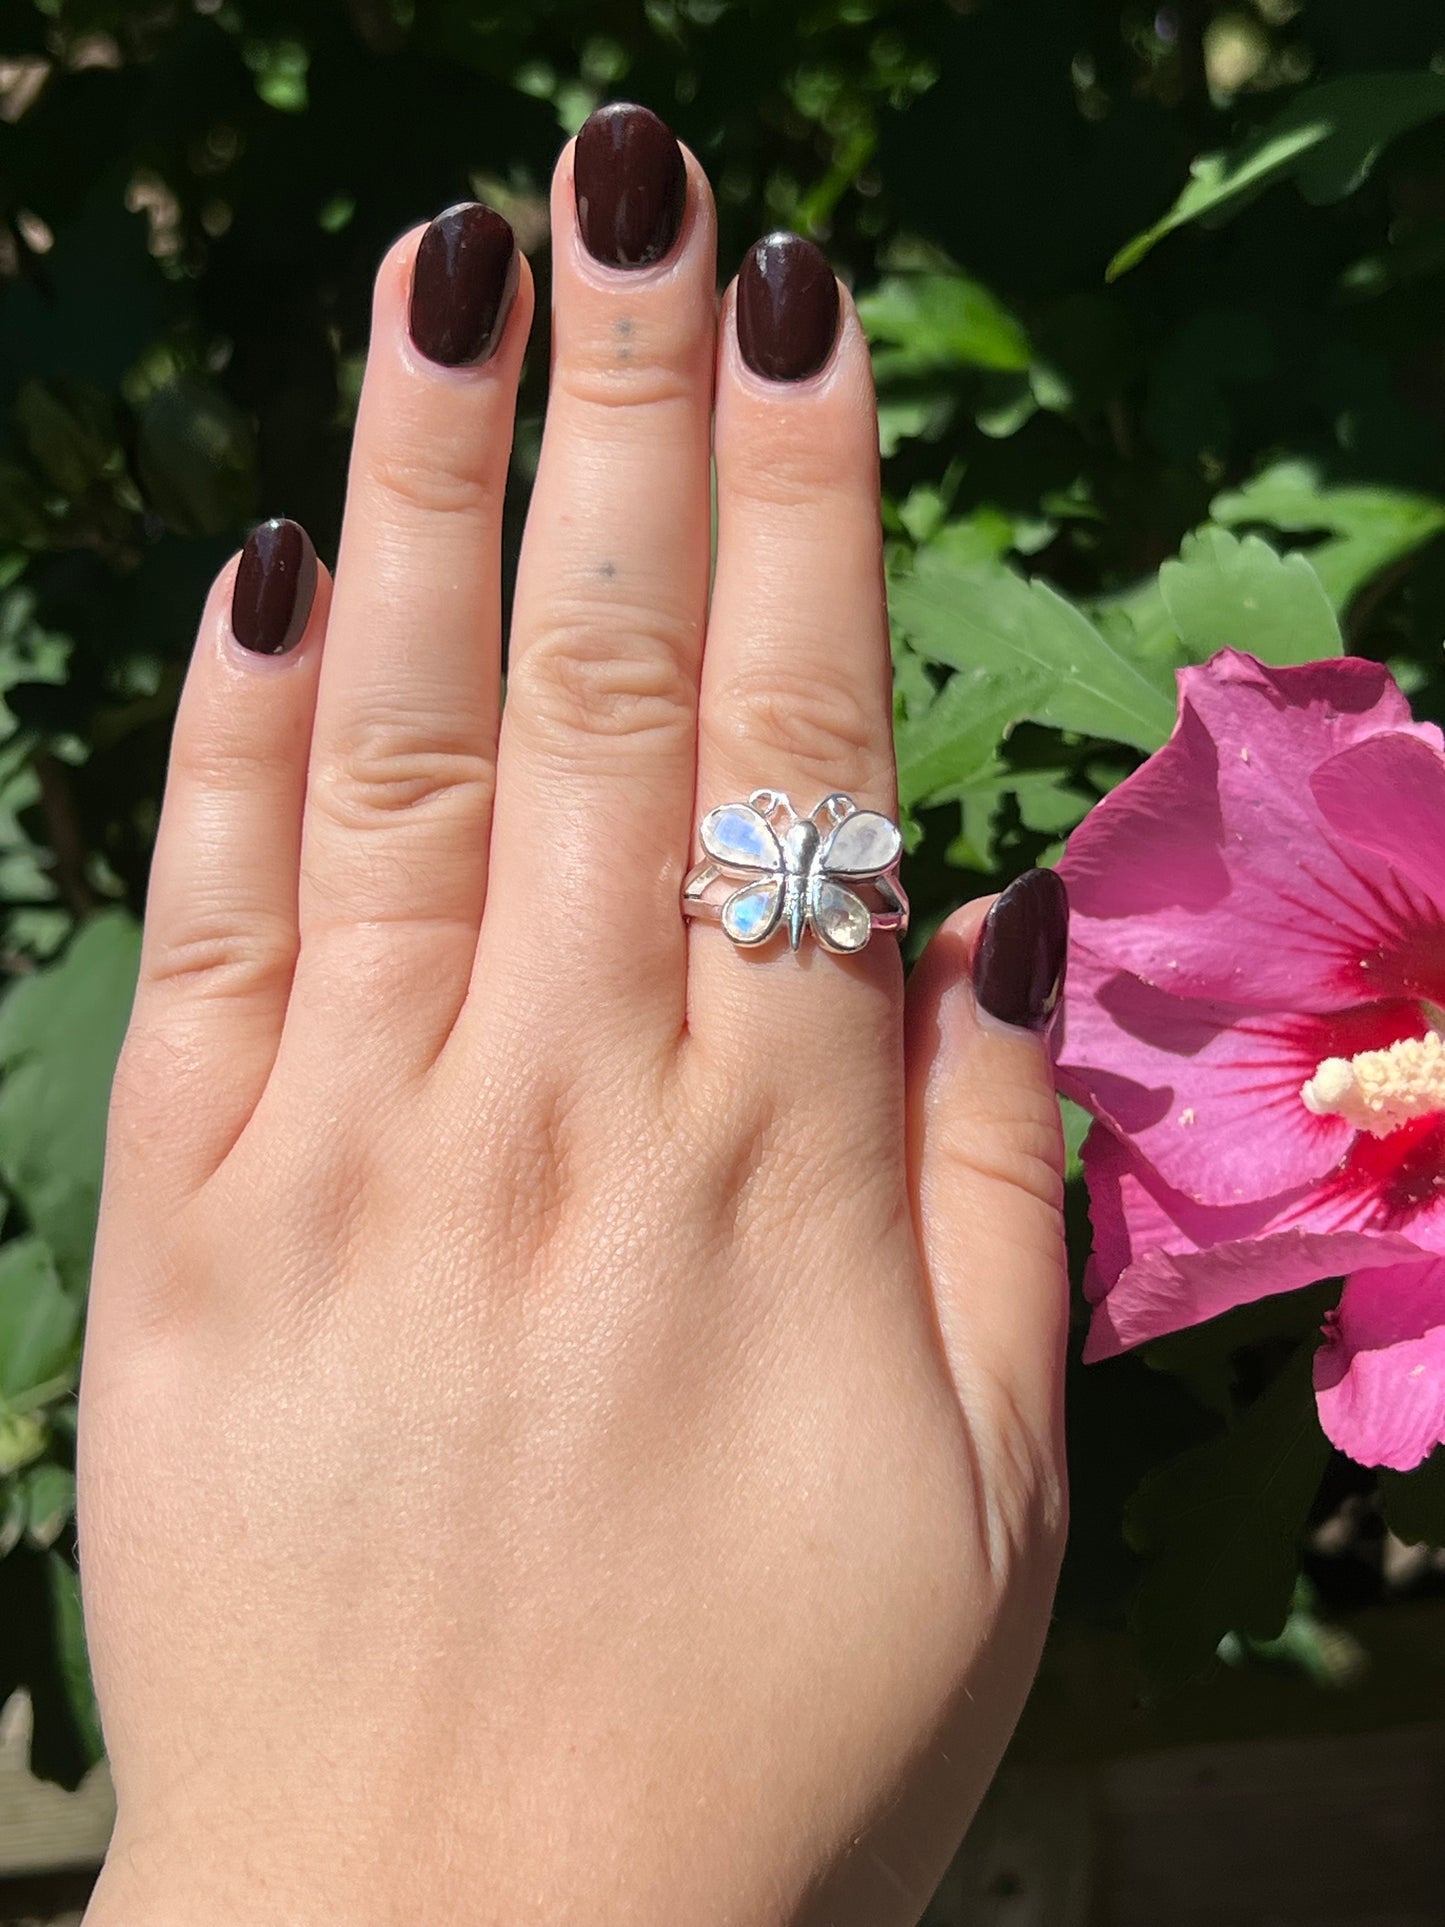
[{"x": 571, "y": 1423}]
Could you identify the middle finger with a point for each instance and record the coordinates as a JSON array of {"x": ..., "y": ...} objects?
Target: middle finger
[{"x": 596, "y": 769}]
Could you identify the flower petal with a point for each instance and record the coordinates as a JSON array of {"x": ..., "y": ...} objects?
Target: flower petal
[
  {"x": 1163, "y": 1262},
  {"x": 1387, "y": 796},
  {"x": 1210, "y": 1094},
  {"x": 1213, "y": 872},
  {"x": 1380, "y": 1374}
]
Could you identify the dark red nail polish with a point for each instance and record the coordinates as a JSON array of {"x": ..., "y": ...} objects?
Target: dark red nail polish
[
  {"x": 630, "y": 185},
  {"x": 462, "y": 284},
  {"x": 1018, "y": 968},
  {"x": 274, "y": 588},
  {"x": 787, "y": 309}
]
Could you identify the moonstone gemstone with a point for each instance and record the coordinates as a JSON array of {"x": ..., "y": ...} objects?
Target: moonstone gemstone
[
  {"x": 840, "y": 918},
  {"x": 750, "y": 914},
  {"x": 738, "y": 834},
  {"x": 863, "y": 845}
]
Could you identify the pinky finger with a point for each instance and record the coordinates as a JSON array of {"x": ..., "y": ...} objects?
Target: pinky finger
[{"x": 221, "y": 919}]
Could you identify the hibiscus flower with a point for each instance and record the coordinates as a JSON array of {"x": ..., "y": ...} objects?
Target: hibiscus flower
[{"x": 1255, "y": 1007}]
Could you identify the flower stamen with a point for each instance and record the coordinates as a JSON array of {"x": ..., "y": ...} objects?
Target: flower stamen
[{"x": 1379, "y": 1090}]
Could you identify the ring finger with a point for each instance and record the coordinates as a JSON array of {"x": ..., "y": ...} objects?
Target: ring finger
[{"x": 796, "y": 691}]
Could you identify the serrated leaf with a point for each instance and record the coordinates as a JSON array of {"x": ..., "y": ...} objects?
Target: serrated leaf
[
  {"x": 1326, "y": 139},
  {"x": 1226, "y": 593},
  {"x": 60, "y": 1034},
  {"x": 1064, "y": 671},
  {"x": 922, "y": 324},
  {"x": 955, "y": 738},
  {"x": 1221, "y": 1527},
  {"x": 1370, "y": 527},
  {"x": 38, "y": 1321},
  {"x": 1414, "y": 1502}
]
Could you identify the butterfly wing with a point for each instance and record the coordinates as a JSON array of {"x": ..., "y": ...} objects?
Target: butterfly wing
[
  {"x": 841, "y": 920},
  {"x": 751, "y": 914},
  {"x": 864, "y": 844},
  {"x": 741, "y": 839}
]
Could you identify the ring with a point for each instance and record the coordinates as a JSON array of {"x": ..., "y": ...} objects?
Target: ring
[{"x": 794, "y": 873}]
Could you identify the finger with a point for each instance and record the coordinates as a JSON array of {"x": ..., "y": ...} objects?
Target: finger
[
  {"x": 796, "y": 691},
  {"x": 598, "y": 741},
  {"x": 987, "y": 1153},
  {"x": 401, "y": 780},
  {"x": 221, "y": 920}
]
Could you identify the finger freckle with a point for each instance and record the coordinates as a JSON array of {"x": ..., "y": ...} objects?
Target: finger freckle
[
  {"x": 607, "y": 571},
  {"x": 623, "y": 325}
]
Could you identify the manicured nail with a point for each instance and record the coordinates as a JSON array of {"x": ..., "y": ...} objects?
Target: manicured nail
[
  {"x": 787, "y": 308},
  {"x": 462, "y": 284},
  {"x": 630, "y": 184},
  {"x": 1018, "y": 969},
  {"x": 274, "y": 588}
]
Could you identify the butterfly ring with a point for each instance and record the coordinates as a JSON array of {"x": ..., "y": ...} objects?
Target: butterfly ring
[{"x": 795, "y": 873}]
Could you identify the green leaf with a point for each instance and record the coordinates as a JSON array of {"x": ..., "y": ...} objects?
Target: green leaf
[
  {"x": 922, "y": 324},
  {"x": 60, "y": 1033},
  {"x": 954, "y": 740},
  {"x": 1076, "y": 1121},
  {"x": 14, "y": 1512},
  {"x": 49, "y": 1503},
  {"x": 1221, "y": 1527},
  {"x": 44, "y": 1651},
  {"x": 1061, "y": 668},
  {"x": 1226, "y": 593},
  {"x": 38, "y": 1322},
  {"x": 1371, "y": 527},
  {"x": 22, "y": 1440},
  {"x": 196, "y": 457},
  {"x": 72, "y": 1659},
  {"x": 1326, "y": 140},
  {"x": 69, "y": 444},
  {"x": 1414, "y": 1502}
]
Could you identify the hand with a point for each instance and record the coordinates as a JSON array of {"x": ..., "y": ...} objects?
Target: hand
[{"x": 571, "y": 1415}]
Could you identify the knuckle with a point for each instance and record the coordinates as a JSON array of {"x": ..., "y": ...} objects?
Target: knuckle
[
  {"x": 225, "y": 757},
  {"x": 380, "y": 772},
  {"x": 222, "y": 960},
  {"x": 640, "y": 363},
  {"x": 824, "y": 728},
  {"x": 627, "y": 676},
  {"x": 1028, "y": 1499},
  {"x": 1016, "y": 1142},
  {"x": 801, "y": 472},
  {"x": 433, "y": 478}
]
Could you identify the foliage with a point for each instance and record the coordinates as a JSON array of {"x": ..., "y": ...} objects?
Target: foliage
[{"x": 1089, "y": 482}]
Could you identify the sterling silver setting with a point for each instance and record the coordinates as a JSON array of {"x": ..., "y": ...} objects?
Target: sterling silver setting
[{"x": 786, "y": 871}]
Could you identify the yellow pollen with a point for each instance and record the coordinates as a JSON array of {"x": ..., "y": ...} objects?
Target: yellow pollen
[{"x": 1379, "y": 1090}]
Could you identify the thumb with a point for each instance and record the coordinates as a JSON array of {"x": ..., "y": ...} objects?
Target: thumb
[{"x": 986, "y": 1152}]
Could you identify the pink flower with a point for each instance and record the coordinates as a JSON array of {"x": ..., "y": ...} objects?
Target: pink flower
[{"x": 1256, "y": 996}]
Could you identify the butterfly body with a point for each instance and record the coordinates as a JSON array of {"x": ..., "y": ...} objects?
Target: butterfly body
[
  {"x": 801, "y": 843},
  {"x": 795, "y": 879}
]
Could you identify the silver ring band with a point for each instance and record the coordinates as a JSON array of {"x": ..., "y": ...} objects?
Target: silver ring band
[{"x": 832, "y": 872}]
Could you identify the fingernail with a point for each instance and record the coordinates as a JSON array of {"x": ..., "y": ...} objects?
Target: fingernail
[
  {"x": 1018, "y": 968},
  {"x": 462, "y": 284},
  {"x": 787, "y": 310},
  {"x": 630, "y": 185},
  {"x": 274, "y": 588}
]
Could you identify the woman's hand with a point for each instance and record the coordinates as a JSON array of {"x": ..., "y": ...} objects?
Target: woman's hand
[{"x": 571, "y": 1421}]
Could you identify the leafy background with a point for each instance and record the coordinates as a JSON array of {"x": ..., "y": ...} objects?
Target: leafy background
[{"x": 1157, "y": 299}]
